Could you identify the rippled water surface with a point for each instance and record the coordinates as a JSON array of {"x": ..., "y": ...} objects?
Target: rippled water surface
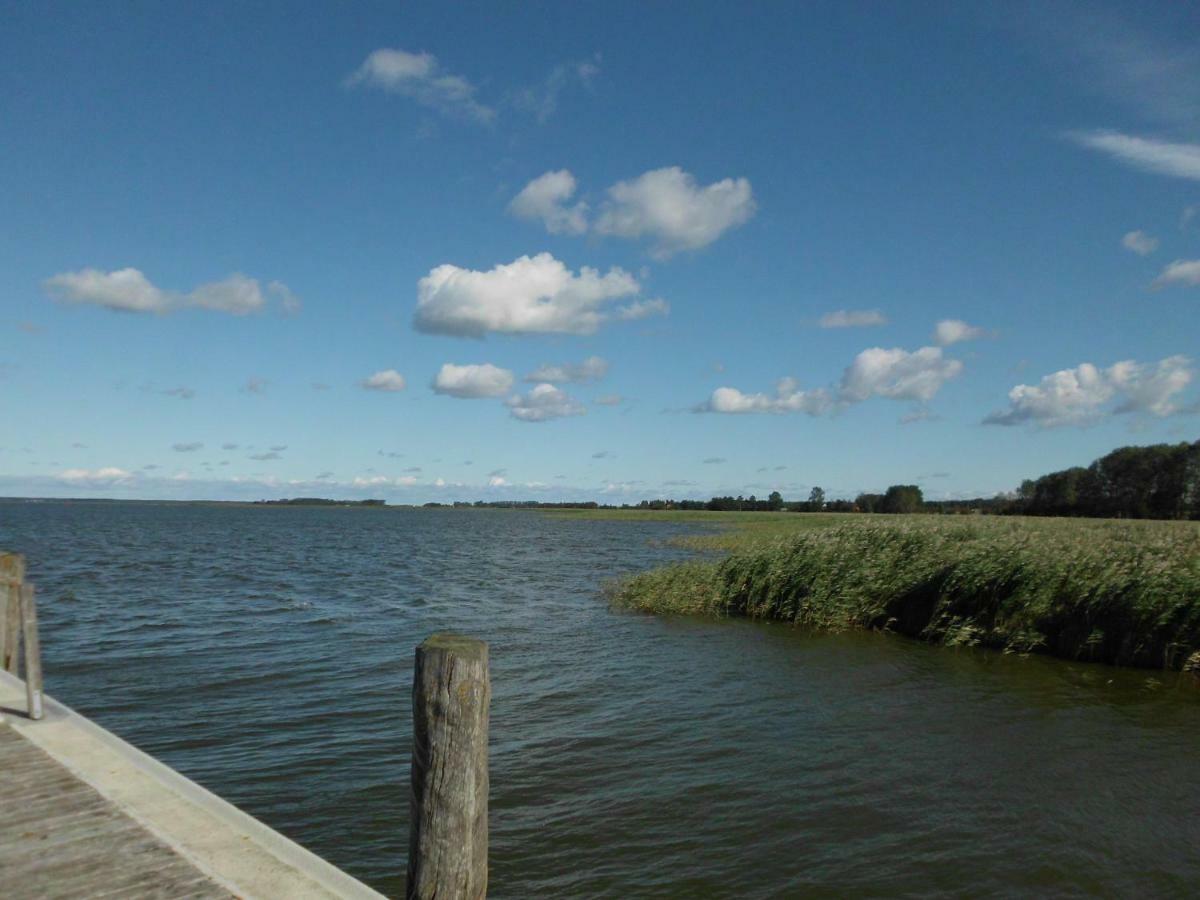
[{"x": 267, "y": 654}]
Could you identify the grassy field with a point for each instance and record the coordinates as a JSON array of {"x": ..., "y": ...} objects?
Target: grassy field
[{"x": 1124, "y": 592}]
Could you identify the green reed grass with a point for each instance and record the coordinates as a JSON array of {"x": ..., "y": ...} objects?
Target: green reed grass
[{"x": 1118, "y": 592}]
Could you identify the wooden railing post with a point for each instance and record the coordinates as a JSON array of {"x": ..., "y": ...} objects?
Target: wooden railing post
[
  {"x": 448, "y": 809},
  {"x": 12, "y": 574},
  {"x": 18, "y": 617}
]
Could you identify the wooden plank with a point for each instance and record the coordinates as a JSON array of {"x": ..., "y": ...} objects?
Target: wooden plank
[
  {"x": 60, "y": 838},
  {"x": 448, "y": 817},
  {"x": 33, "y": 652}
]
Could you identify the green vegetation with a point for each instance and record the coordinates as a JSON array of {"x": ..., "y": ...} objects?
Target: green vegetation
[{"x": 1118, "y": 592}]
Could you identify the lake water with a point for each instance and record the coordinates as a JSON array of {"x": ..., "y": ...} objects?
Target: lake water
[{"x": 267, "y": 654}]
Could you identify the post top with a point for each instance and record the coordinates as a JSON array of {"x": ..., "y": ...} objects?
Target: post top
[
  {"x": 458, "y": 644},
  {"x": 12, "y": 566}
]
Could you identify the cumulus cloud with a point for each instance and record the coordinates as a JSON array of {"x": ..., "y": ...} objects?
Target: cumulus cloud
[
  {"x": 125, "y": 290},
  {"x": 545, "y": 200},
  {"x": 953, "y": 331},
  {"x": 670, "y": 209},
  {"x": 529, "y": 295},
  {"x": 419, "y": 77},
  {"x": 384, "y": 380},
  {"x": 1148, "y": 154},
  {"x": 129, "y": 290},
  {"x": 497, "y": 481},
  {"x": 895, "y": 374},
  {"x": 1082, "y": 395},
  {"x": 1182, "y": 271},
  {"x": 542, "y": 403},
  {"x": 591, "y": 369},
  {"x": 1139, "y": 242},
  {"x": 472, "y": 381},
  {"x": 787, "y": 398},
  {"x": 853, "y": 318},
  {"x": 106, "y": 475}
]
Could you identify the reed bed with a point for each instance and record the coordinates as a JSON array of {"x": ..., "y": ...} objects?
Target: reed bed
[{"x": 1119, "y": 592}]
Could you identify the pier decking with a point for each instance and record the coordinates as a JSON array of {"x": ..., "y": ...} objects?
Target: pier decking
[{"x": 85, "y": 814}]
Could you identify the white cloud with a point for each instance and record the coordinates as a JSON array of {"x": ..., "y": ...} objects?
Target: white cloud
[
  {"x": 897, "y": 374},
  {"x": 125, "y": 290},
  {"x": 643, "y": 309},
  {"x": 418, "y": 76},
  {"x": 384, "y": 380},
  {"x": 106, "y": 475},
  {"x": 1151, "y": 389},
  {"x": 473, "y": 381},
  {"x": 542, "y": 100},
  {"x": 591, "y": 369},
  {"x": 237, "y": 295},
  {"x": 289, "y": 303},
  {"x": 545, "y": 199},
  {"x": 1182, "y": 271},
  {"x": 497, "y": 481},
  {"x": 1139, "y": 242},
  {"x": 1147, "y": 154},
  {"x": 529, "y": 295},
  {"x": 1080, "y": 396},
  {"x": 853, "y": 318},
  {"x": 542, "y": 403},
  {"x": 667, "y": 206},
  {"x": 953, "y": 331},
  {"x": 129, "y": 290},
  {"x": 788, "y": 398},
  {"x": 362, "y": 481}
]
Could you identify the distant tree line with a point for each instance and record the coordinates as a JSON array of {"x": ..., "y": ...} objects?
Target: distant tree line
[
  {"x": 1161, "y": 481},
  {"x": 515, "y": 504}
]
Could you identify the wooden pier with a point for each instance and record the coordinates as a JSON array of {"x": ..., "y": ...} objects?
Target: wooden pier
[{"x": 84, "y": 814}]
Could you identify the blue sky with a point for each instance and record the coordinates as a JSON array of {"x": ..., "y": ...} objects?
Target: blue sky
[{"x": 592, "y": 251}]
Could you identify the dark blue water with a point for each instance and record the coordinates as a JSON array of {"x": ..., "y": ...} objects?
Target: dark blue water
[{"x": 267, "y": 653}]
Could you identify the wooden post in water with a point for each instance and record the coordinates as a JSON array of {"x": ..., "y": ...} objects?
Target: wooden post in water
[
  {"x": 33, "y": 652},
  {"x": 448, "y": 809}
]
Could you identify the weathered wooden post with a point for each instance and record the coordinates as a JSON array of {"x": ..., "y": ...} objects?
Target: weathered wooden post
[
  {"x": 12, "y": 573},
  {"x": 448, "y": 809},
  {"x": 33, "y": 652}
]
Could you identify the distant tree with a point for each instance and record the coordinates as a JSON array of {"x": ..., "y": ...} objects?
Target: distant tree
[
  {"x": 869, "y": 503},
  {"x": 775, "y": 501},
  {"x": 902, "y": 498},
  {"x": 816, "y": 499}
]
